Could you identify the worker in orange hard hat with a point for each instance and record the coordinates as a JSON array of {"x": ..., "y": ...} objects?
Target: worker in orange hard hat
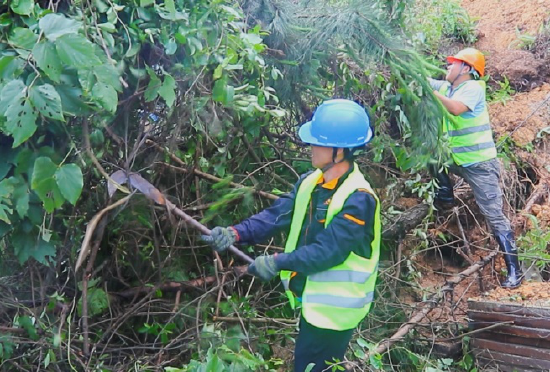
[
  {"x": 473, "y": 150},
  {"x": 471, "y": 57}
]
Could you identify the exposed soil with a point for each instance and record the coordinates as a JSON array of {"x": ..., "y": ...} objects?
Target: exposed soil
[
  {"x": 525, "y": 118},
  {"x": 500, "y": 25},
  {"x": 499, "y": 20},
  {"x": 528, "y": 294}
]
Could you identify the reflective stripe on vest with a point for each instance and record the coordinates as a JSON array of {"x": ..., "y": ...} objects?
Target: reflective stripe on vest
[
  {"x": 340, "y": 301},
  {"x": 471, "y": 140},
  {"x": 340, "y": 297},
  {"x": 340, "y": 276}
]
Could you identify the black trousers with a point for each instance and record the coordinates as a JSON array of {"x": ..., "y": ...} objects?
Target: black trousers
[{"x": 317, "y": 345}]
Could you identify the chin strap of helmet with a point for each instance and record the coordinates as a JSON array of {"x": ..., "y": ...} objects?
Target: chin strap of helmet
[
  {"x": 473, "y": 72},
  {"x": 347, "y": 154}
]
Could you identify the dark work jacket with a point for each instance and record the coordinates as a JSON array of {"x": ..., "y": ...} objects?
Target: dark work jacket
[{"x": 318, "y": 249}]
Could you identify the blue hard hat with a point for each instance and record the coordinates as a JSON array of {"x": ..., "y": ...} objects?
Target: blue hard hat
[{"x": 337, "y": 123}]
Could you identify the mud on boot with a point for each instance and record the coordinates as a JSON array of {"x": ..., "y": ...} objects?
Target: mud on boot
[{"x": 507, "y": 245}]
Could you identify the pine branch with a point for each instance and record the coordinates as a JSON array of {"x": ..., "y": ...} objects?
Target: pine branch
[{"x": 310, "y": 34}]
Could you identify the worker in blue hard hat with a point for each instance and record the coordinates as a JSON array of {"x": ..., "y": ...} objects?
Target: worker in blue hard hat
[{"x": 332, "y": 222}]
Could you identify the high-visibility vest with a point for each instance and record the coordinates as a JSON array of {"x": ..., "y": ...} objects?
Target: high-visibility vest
[
  {"x": 471, "y": 140},
  {"x": 340, "y": 297}
]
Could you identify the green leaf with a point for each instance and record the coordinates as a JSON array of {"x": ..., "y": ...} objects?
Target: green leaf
[
  {"x": 21, "y": 123},
  {"x": 171, "y": 47},
  {"x": 46, "y": 99},
  {"x": 44, "y": 170},
  {"x": 98, "y": 302},
  {"x": 146, "y": 3},
  {"x": 30, "y": 245},
  {"x": 13, "y": 91},
  {"x": 23, "y": 38},
  {"x": 4, "y": 229},
  {"x": 169, "y": 12},
  {"x": 21, "y": 197},
  {"x": 107, "y": 27},
  {"x": 47, "y": 59},
  {"x": 70, "y": 182},
  {"x": 76, "y": 51},
  {"x": 8, "y": 158},
  {"x": 16, "y": 187},
  {"x": 6, "y": 189},
  {"x": 9, "y": 66},
  {"x": 26, "y": 323},
  {"x": 214, "y": 364},
  {"x": 44, "y": 184},
  {"x": 251, "y": 38},
  {"x": 106, "y": 95},
  {"x": 107, "y": 74},
  {"x": 232, "y": 11},
  {"x": 87, "y": 79},
  {"x": 71, "y": 100},
  {"x": 170, "y": 6},
  {"x": 5, "y": 19},
  {"x": 218, "y": 72},
  {"x": 218, "y": 92},
  {"x": 153, "y": 87},
  {"x": 101, "y": 6},
  {"x": 222, "y": 92},
  {"x": 22, "y": 7},
  {"x": 132, "y": 51},
  {"x": 167, "y": 90},
  {"x": 24, "y": 161},
  {"x": 56, "y": 25}
]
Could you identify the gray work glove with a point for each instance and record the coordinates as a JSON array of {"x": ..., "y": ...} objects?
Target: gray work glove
[
  {"x": 220, "y": 238},
  {"x": 264, "y": 267}
]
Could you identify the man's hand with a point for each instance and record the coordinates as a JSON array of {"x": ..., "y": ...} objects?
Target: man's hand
[
  {"x": 452, "y": 105},
  {"x": 264, "y": 267},
  {"x": 220, "y": 238}
]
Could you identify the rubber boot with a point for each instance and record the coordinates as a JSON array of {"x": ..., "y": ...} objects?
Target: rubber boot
[
  {"x": 507, "y": 245},
  {"x": 444, "y": 197}
]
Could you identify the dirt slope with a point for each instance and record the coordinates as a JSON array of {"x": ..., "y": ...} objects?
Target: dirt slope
[
  {"x": 501, "y": 25},
  {"x": 499, "y": 20},
  {"x": 524, "y": 117}
]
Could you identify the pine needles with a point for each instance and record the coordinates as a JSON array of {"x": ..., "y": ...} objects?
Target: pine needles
[{"x": 311, "y": 34}]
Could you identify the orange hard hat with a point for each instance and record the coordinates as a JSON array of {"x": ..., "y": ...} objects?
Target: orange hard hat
[{"x": 471, "y": 56}]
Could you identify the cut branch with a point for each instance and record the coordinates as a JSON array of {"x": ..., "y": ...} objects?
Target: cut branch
[
  {"x": 203, "y": 174},
  {"x": 431, "y": 303},
  {"x": 199, "y": 283},
  {"x": 254, "y": 320},
  {"x": 85, "y": 247},
  {"x": 405, "y": 221}
]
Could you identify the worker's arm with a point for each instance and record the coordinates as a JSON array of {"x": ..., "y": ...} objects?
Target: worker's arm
[
  {"x": 351, "y": 230},
  {"x": 454, "y": 106},
  {"x": 272, "y": 220}
]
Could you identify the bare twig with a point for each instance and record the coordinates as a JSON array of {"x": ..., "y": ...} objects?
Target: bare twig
[
  {"x": 205, "y": 175},
  {"x": 85, "y": 277},
  {"x": 431, "y": 303},
  {"x": 254, "y": 320},
  {"x": 85, "y": 247},
  {"x": 177, "y": 286},
  {"x": 101, "y": 170},
  {"x": 258, "y": 160},
  {"x": 466, "y": 254}
]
